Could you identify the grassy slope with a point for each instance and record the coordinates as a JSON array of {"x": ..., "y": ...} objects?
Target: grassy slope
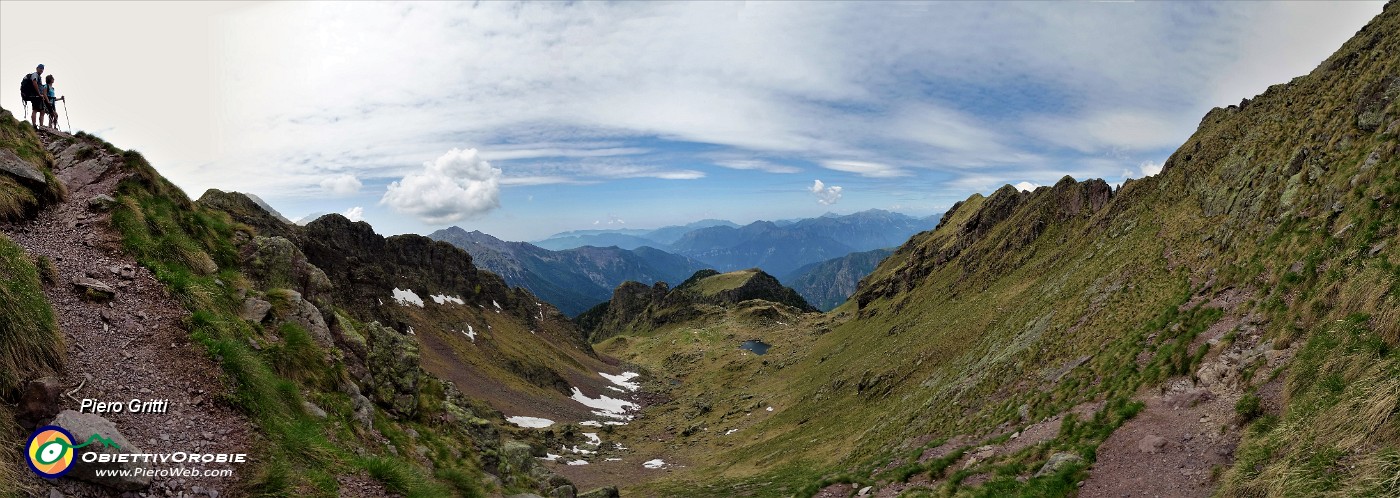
[
  {"x": 189, "y": 249},
  {"x": 976, "y": 337},
  {"x": 30, "y": 346},
  {"x": 16, "y": 199}
]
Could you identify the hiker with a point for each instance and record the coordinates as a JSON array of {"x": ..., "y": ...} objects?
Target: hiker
[
  {"x": 52, "y": 102},
  {"x": 32, "y": 92}
]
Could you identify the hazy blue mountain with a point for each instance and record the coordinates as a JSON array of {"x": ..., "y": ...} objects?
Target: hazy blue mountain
[
  {"x": 829, "y": 283},
  {"x": 572, "y": 280},
  {"x": 626, "y": 238},
  {"x": 782, "y": 248}
]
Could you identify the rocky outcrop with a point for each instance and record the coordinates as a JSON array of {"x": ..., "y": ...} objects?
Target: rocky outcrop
[
  {"x": 84, "y": 426},
  {"x": 393, "y": 369},
  {"x": 275, "y": 262},
  {"x": 637, "y": 306}
]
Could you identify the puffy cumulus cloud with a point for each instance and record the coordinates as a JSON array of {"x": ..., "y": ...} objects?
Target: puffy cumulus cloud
[
  {"x": 865, "y": 168},
  {"x": 1149, "y": 168},
  {"x": 1026, "y": 186},
  {"x": 456, "y": 186},
  {"x": 356, "y": 213},
  {"x": 342, "y": 185},
  {"x": 1144, "y": 170},
  {"x": 825, "y": 195}
]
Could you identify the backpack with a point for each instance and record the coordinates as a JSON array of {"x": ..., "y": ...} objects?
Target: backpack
[{"x": 26, "y": 89}]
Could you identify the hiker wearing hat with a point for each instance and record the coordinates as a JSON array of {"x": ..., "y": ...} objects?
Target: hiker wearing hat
[{"x": 33, "y": 92}]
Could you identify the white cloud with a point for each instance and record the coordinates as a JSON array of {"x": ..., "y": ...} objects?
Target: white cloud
[
  {"x": 825, "y": 195},
  {"x": 1026, "y": 186},
  {"x": 453, "y": 187},
  {"x": 1149, "y": 168},
  {"x": 865, "y": 168},
  {"x": 345, "y": 184},
  {"x": 356, "y": 213},
  {"x": 759, "y": 165}
]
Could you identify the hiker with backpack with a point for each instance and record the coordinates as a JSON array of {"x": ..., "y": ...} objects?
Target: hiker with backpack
[
  {"x": 31, "y": 88},
  {"x": 51, "y": 101}
]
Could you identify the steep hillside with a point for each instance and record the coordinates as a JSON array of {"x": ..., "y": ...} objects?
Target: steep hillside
[
  {"x": 782, "y": 248},
  {"x": 573, "y": 279},
  {"x": 829, "y": 283},
  {"x": 1229, "y": 325},
  {"x": 281, "y": 342}
]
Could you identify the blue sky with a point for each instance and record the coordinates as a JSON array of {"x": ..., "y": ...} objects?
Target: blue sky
[{"x": 523, "y": 120}]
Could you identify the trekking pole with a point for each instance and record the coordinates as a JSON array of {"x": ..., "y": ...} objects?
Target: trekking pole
[{"x": 65, "y": 115}]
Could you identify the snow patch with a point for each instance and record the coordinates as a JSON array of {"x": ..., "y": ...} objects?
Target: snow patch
[
  {"x": 593, "y": 438},
  {"x": 605, "y": 406},
  {"x": 613, "y": 459},
  {"x": 443, "y": 298},
  {"x": 406, "y": 297},
  {"x": 654, "y": 464},
  {"x": 470, "y": 333},
  {"x": 550, "y": 457},
  {"x": 530, "y": 422},
  {"x": 730, "y": 431},
  {"x": 623, "y": 380},
  {"x": 615, "y": 388},
  {"x": 770, "y": 408},
  {"x": 578, "y": 462},
  {"x": 591, "y": 423}
]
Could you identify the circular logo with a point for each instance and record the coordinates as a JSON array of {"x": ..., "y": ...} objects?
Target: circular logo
[{"x": 50, "y": 451}]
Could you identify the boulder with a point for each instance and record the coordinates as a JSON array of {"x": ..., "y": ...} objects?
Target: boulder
[
  {"x": 1057, "y": 462},
  {"x": 14, "y": 165},
  {"x": 101, "y": 202},
  {"x": 565, "y": 491},
  {"x": 313, "y": 410},
  {"x": 254, "y": 309},
  {"x": 84, "y": 426},
  {"x": 606, "y": 492},
  {"x": 94, "y": 289},
  {"x": 1152, "y": 444},
  {"x": 39, "y": 402}
]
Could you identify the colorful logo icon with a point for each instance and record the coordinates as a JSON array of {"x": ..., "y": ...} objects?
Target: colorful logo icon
[{"x": 50, "y": 451}]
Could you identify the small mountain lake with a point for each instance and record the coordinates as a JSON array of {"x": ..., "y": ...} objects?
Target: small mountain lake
[{"x": 758, "y": 347}]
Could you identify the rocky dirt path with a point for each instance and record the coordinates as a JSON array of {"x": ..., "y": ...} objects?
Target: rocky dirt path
[
  {"x": 131, "y": 347},
  {"x": 1187, "y": 432}
]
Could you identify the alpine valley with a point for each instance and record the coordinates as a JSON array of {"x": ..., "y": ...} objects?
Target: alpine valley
[{"x": 1229, "y": 326}]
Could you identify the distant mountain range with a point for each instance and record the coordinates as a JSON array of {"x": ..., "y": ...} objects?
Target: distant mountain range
[
  {"x": 626, "y": 238},
  {"x": 779, "y": 249},
  {"x": 573, "y": 279},
  {"x": 829, "y": 283}
]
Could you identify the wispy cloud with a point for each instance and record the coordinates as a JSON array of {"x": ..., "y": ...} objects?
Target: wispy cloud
[
  {"x": 865, "y": 168},
  {"x": 344, "y": 184},
  {"x": 758, "y": 165}
]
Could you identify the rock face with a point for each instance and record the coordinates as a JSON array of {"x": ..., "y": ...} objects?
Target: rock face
[
  {"x": 393, "y": 367},
  {"x": 83, "y": 426},
  {"x": 275, "y": 262}
]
